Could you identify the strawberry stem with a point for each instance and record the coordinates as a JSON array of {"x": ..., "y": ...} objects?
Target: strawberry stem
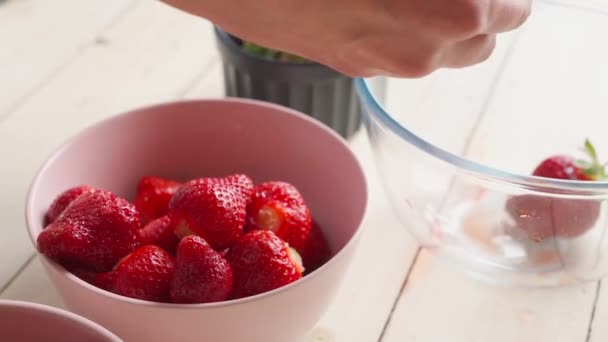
[{"x": 593, "y": 169}]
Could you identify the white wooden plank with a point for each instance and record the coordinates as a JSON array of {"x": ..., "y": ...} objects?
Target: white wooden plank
[
  {"x": 33, "y": 285},
  {"x": 544, "y": 100},
  {"x": 39, "y": 37},
  {"x": 441, "y": 304},
  {"x": 151, "y": 55}
]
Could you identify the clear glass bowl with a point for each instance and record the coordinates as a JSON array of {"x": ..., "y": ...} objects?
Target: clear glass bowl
[{"x": 456, "y": 149}]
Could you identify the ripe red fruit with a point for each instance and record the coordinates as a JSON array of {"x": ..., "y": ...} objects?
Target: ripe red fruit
[
  {"x": 261, "y": 262},
  {"x": 63, "y": 201},
  {"x": 543, "y": 217},
  {"x": 145, "y": 274},
  {"x": 242, "y": 183},
  {"x": 212, "y": 208},
  {"x": 103, "y": 280},
  {"x": 94, "y": 232},
  {"x": 160, "y": 232},
  {"x": 280, "y": 208},
  {"x": 153, "y": 196},
  {"x": 316, "y": 251},
  {"x": 201, "y": 274},
  {"x": 566, "y": 167}
]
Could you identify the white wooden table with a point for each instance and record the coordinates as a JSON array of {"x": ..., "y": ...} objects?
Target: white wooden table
[{"x": 66, "y": 64}]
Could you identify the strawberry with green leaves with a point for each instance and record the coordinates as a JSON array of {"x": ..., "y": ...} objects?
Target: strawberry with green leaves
[
  {"x": 567, "y": 167},
  {"x": 543, "y": 217}
]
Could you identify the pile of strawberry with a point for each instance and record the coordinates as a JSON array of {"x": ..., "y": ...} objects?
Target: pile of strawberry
[{"x": 205, "y": 240}]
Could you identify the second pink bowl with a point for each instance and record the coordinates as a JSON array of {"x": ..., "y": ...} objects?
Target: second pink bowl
[{"x": 32, "y": 322}]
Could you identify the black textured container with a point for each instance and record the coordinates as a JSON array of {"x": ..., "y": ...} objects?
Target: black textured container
[{"x": 310, "y": 88}]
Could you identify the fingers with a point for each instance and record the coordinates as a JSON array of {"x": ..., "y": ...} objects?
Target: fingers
[
  {"x": 507, "y": 15},
  {"x": 469, "y": 52},
  {"x": 414, "y": 59}
]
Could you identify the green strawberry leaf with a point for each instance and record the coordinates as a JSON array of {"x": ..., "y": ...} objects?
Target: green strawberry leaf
[{"x": 593, "y": 168}]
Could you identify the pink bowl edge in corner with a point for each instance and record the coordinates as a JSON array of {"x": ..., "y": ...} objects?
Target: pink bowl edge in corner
[{"x": 100, "y": 330}]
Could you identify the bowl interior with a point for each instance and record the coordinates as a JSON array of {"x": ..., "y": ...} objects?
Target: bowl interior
[
  {"x": 28, "y": 322},
  {"x": 191, "y": 139},
  {"x": 456, "y": 150}
]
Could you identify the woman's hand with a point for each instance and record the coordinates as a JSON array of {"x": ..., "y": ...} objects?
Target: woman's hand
[{"x": 401, "y": 38}]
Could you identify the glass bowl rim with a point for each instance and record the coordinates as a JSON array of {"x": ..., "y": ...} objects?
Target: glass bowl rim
[{"x": 372, "y": 108}]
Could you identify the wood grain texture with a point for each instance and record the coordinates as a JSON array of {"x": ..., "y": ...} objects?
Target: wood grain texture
[{"x": 153, "y": 54}]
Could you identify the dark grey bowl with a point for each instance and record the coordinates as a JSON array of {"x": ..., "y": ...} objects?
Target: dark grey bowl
[{"x": 311, "y": 88}]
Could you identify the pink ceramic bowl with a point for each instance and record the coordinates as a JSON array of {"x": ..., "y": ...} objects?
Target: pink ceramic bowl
[
  {"x": 29, "y": 322},
  {"x": 189, "y": 139}
]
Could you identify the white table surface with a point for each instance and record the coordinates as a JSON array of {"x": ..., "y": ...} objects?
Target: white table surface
[{"x": 66, "y": 64}]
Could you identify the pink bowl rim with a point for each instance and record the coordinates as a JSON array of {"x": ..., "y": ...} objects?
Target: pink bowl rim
[
  {"x": 30, "y": 220},
  {"x": 18, "y": 304}
]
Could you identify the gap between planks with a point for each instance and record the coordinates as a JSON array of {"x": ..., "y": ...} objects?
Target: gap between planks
[
  {"x": 21, "y": 269},
  {"x": 593, "y": 309}
]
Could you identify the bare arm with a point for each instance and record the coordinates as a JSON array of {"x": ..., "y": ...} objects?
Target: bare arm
[{"x": 405, "y": 38}]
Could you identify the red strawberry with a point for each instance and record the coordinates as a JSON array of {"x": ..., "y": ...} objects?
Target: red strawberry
[
  {"x": 316, "y": 250},
  {"x": 280, "y": 208},
  {"x": 103, "y": 280},
  {"x": 546, "y": 217},
  {"x": 153, "y": 196},
  {"x": 63, "y": 201},
  {"x": 145, "y": 274},
  {"x": 160, "y": 232},
  {"x": 201, "y": 274},
  {"x": 559, "y": 167},
  {"x": 212, "y": 208},
  {"x": 93, "y": 233},
  {"x": 566, "y": 167},
  {"x": 262, "y": 262},
  {"x": 242, "y": 182}
]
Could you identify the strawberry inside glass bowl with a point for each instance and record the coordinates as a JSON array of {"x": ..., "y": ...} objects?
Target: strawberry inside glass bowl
[{"x": 482, "y": 163}]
